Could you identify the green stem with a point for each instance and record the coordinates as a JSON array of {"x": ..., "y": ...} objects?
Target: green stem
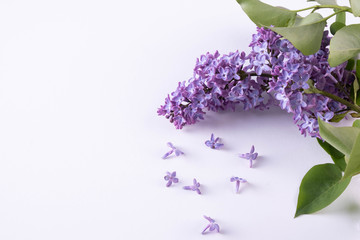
[
  {"x": 324, "y": 6},
  {"x": 338, "y": 99}
]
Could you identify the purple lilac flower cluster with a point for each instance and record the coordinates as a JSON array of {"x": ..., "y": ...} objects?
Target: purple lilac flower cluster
[
  {"x": 274, "y": 67},
  {"x": 218, "y": 83},
  {"x": 291, "y": 72}
]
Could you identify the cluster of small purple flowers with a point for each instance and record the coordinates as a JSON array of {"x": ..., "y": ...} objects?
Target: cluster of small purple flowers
[
  {"x": 274, "y": 67},
  {"x": 291, "y": 72},
  {"x": 218, "y": 83}
]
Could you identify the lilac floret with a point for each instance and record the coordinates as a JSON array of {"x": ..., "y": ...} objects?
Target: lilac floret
[
  {"x": 238, "y": 181},
  {"x": 195, "y": 187},
  {"x": 174, "y": 150},
  {"x": 171, "y": 178},
  {"x": 212, "y": 226},
  {"x": 213, "y": 143},
  {"x": 251, "y": 156}
]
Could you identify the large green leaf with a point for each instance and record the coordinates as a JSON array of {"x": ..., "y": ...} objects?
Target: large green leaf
[
  {"x": 325, "y": 2},
  {"x": 265, "y": 15},
  {"x": 321, "y": 185},
  {"x": 336, "y": 156},
  {"x": 353, "y": 166},
  {"x": 341, "y": 138},
  {"x": 345, "y": 44},
  {"x": 355, "y": 5},
  {"x": 306, "y": 34}
]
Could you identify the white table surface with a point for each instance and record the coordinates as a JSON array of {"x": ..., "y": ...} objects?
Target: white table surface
[{"x": 81, "y": 144}]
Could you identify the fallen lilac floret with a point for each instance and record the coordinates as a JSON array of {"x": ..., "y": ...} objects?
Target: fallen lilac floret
[
  {"x": 171, "y": 178},
  {"x": 194, "y": 187},
  {"x": 252, "y": 155},
  {"x": 211, "y": 226},
  {"x": 238, "y": 181},
  {"x": 173, "y": 150},
  {"x": 213, "y": 143}
]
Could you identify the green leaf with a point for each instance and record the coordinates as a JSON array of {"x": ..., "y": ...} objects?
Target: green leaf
[
  {"x": 321, "y": 185},
  {"x": 345, "y": 44},
  {"x": 336, "y": 26},
  {"x": 342, "y": 138},
  {"x": 325, "y": 2},
  {"x": 356, "y": 123},
  {"x": 350, "y": 64},
  {"x": 353, "y": 163},
  {"x": 265, "y": 15},
  {"x": 306, "y": 35},
  {"x": 336, "y": 156},
  {"x": 339, "y": 117},
  {"x": 355, "y": 5}
]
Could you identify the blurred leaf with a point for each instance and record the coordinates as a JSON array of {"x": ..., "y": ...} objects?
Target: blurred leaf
[
  {"x": 306, "y": 35},
  {"x": 265, "y": 15},
  {"x": 356, "y": 123},
  {"x": 321, "y": 185},
  {"x": 355, "y": 5},
  {"x": 350, "y": 64},
  {"x": 336, "y": 156},
  {"x": 324, "y": 2},
  {"x": 341, "y": 138},
  {"x": 339, "y": 117},
  {"x": 345, "y": 44},
  {"x": 353, "y": 163},
  {"x": 336, "y": 26}
]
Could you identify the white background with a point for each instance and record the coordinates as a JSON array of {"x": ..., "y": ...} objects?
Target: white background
[{"x": 81, "y": 144}]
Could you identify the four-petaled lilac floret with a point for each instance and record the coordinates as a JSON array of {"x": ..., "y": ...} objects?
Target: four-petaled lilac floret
[
  {"x": 211, "y": 226},
  {"x": 238, "y": 181},
  {"x": 173, "y": 150},
  {"x": 194, "y": 187},
  {"x": 171, "y": 178},
  {"x": 213, "y": 143},
  {"x": 252, "y": 155}
]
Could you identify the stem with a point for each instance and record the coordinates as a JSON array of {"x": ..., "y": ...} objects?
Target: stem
[
  {"x": 338, "y": 99},
  {"x": 343, "y": 10},
  {"x": 316, "y": 7}
]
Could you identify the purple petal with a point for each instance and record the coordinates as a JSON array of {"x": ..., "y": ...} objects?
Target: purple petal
[
  {"x": 167, "y": 177},
  {"x": 208, "y": 143},
  {"x": 178, "y": 152},
  {"x": 217, "y": 227},
  {"x": 198, "y": 191},
  {"x": 187, "y": 188},
  {"x": 167, "y": 154},
  {"x": 175, "y": 180},
  {"x": 170, "y": 145},
  {"x": 217, "y": 145},
  {"x": 169, "y": 183},
  {"x": 212, "y": 137},
  {"x": 232, "y": 179},
  {"x": 252, "y": 149},
  {"x": 209, "y": 219},
  {"x": 205, "y": 229},
  {"x": 173, "y": 174}
]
